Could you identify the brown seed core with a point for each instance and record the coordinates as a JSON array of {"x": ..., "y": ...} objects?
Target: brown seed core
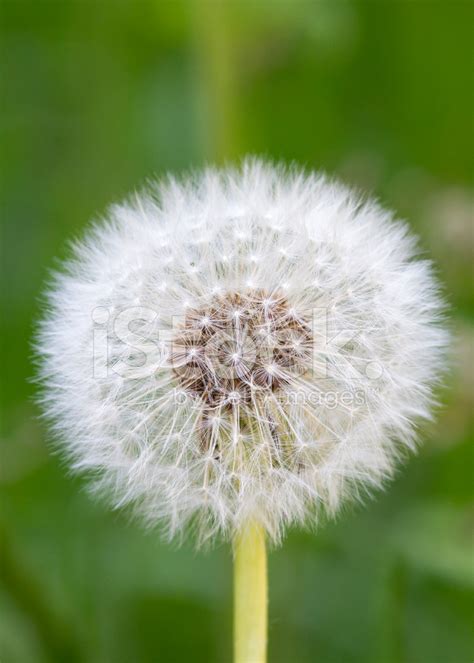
[{"x": 240, "y": 346}]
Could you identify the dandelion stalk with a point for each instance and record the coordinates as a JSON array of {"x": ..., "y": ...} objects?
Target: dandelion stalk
[
  {"x": 250, "y": 595},
  {"x": 217, "y": 91}
]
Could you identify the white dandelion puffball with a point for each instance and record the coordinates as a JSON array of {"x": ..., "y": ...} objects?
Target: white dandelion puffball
[{"x": 250, "y": 344}]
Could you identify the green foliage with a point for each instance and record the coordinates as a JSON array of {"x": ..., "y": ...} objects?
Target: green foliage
[{"x": 97, "y": 97}]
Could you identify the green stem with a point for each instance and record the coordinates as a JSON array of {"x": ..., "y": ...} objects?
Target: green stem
[
  {"x": 250, "y": 595},
  {"x": 217, "y": 90}
]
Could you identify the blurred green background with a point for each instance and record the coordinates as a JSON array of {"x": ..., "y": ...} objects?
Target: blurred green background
[{"x": 97, "y": 97}]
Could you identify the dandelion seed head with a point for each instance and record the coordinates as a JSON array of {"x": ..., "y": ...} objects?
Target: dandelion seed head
[{"x": 256, "y": 343}]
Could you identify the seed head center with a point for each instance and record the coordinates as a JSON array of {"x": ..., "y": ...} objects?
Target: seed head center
[{"x": 240, "y": 345}]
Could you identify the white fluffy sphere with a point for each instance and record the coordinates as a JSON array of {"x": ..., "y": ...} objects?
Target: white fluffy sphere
[{"x": 245, "y": 344}]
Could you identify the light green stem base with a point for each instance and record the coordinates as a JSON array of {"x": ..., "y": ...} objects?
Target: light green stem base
[{"x": 250, "y": 596}]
